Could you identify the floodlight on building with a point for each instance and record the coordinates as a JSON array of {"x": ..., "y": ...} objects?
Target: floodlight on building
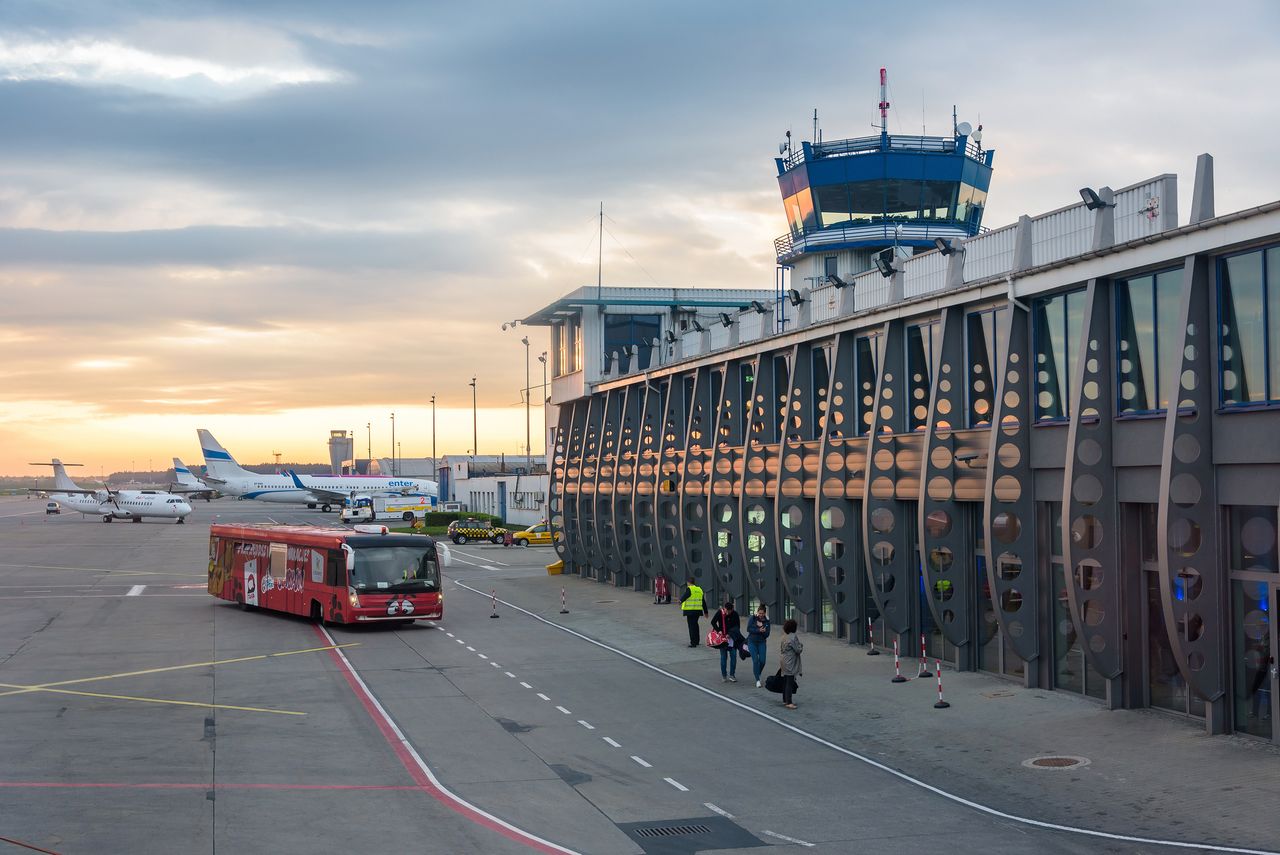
[
  {"x": 794, "y": 296},
  {"x": 759, "y": 307},
  {"x": 726, "y": 319},
  {"x": 836, "y": 282},
  {"x": 671, "y": 337},
  {"x": 944, "y": 246},
  {"x": 697, "y": 326},
  {"x": 1092, "y": 200},
  {"x": 884, "y": 263}
]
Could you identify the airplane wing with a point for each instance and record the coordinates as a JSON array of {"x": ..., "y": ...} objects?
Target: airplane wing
[{"x": 320, "y": 492}]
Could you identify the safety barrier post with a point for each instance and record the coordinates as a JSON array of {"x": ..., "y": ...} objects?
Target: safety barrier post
[
  {"x": 564, "y": 605},
  {"x": 494, "y": 593},
  {"x": 897, "y": 665},
  {"x": 924, "y": 660},
  {"x": 941, "y": 704},
  {"x": 871, "y": 637}
]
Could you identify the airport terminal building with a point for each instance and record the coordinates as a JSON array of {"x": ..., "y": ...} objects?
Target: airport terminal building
[{"x": 1052, "y": 448}]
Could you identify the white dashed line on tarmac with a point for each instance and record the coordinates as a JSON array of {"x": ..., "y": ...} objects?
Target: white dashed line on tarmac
[
  {"x": 544, "y": 697},
  {"x": 495, "y": 664},
  {"x": 586, "y": 725},
  {"x": 136, "y": 591},
  {"x": 482, "y": 656},
  {"x": 563, "y": 710},
  {"x": 472, "y": 649},
  {"x": 526, "y": 685},
  {"x": 709, "y": 806},
  {"x": 450, "y": 634},
  {"x": 487, "y": 567},
  {"x": 611, "y": 742},
  {"x": 509, "y": 674},
  {"x": 679, "y": 786},
  {"x": 459, "y": 640},
  {"x": 788, "y": 839},
  {"x": 642, "y": 761}
]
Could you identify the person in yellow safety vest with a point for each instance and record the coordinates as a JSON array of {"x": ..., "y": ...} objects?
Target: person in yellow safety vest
[
  {"x": 694, "y": 606},
  {"x": 942, "y": 588}
]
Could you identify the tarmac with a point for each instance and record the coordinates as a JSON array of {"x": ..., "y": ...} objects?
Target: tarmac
[{"x": 1146, "y": 773}]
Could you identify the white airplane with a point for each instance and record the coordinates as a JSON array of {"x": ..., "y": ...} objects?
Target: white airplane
[
  {"x": 114, "y": 504},
  {"x": 323, "y": 491},
  {"x": 185, "y": 483}
]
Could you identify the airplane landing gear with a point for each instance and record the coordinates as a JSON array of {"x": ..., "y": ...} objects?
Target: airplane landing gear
[
  {"x": 182, "y": 520},
  {"x": 106, "y": 518},
  {"x": 136, "y": 519},
  {"x": 324, "y": 509}
]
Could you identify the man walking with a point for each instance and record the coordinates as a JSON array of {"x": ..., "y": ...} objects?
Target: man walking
[{"x": 694, "y": 607}]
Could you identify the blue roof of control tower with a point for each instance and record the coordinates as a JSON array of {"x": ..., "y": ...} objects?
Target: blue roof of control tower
[{"x": 879, "y": 191}]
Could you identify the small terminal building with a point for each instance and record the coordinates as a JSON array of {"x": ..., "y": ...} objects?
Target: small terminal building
[{"x": 1051, "y": 448}]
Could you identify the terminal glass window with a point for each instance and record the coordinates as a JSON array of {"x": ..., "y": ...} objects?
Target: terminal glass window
[
  {"x": 1057, "y": 322},
  {"x": 868, "y": 358},
  {"x": 924, "y": 343},
  {"x": 1249, "y": 312},
  {"x": 636, "y": 332},
  {"x": 1146, "y": 314},
  {"x": 987, "y": 341}
]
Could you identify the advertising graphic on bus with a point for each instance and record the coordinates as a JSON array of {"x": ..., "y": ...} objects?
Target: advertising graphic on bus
[{"x": 331, "y": 574}]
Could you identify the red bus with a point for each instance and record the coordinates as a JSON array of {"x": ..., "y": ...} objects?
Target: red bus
[{"x": 341, "y": 575}]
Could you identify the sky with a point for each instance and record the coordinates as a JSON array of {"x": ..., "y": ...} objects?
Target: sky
[{"x": 273, "y": 218}]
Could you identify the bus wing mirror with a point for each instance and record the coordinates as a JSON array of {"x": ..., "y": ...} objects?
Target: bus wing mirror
[
  {"x": 350, "y": 556},
  {"x": 442, "y": 552}
]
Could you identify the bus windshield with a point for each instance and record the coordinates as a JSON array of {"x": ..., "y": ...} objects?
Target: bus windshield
[{"x": 394, "y": 568}]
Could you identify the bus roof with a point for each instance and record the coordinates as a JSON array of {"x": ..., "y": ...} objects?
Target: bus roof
[{"x": 331, "y": 537}]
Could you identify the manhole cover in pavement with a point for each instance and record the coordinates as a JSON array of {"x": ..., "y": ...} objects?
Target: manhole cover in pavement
[{"x": 1056, "y": 762}]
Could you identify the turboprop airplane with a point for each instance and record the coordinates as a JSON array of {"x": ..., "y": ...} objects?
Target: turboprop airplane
[
  {"x": 114, "y": 504},
  {"x": 323, "y": 491},
  {"x": 185, "y": 483}
]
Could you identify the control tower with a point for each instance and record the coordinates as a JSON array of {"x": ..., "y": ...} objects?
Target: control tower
[{"x": 847, "y": 200}]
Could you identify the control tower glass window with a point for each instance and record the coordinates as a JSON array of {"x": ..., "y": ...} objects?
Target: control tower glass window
[
  {"x": 632, "y": 331},
  {"x": 867, "y": 202}
]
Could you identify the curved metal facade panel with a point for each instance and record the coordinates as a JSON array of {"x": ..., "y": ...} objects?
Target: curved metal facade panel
[
  {"x": 648, "y": 562},
  {"x": 760, "y": 461},
  {"x": 606, "y": 471},
  {"x": 1193, "y": 577},
  {"x": 675, "y": 427},
  {"x": 573, "y": 484},
  {"x": 695, "y": 529},
  {"x": 805, "y": 412},
  {"x": 886, "y": 523},
  {"x": 1008, "y": 516},
  {"x": 941, "y": 524},
  {"x": 556, "y": 517},
  {"x": 837, "y": 527},
  {"x": 624, "y": 555},
  {"x": 1090, "y": 513},
  {"x": 726, "y": 477}
]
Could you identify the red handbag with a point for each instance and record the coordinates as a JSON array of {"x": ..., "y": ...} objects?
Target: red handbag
[{"x": 717, "y": 637}]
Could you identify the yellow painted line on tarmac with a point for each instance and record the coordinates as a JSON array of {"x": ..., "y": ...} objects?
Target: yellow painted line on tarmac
[
  {"x": 24, "y": 689},
  {"x": 43, "y": 689}
]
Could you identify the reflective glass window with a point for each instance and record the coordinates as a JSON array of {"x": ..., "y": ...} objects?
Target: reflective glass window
[
  {"x": 1056, "y": 325},
  {"x": 1146, "y": 314},
  {"x": 631, "y": 331},
  {"x": 868, "y": 353},
  {"x": 1243, "y": 298},
  {"x": 923, "y": 343},
  {"x": 986, "y": 340}
]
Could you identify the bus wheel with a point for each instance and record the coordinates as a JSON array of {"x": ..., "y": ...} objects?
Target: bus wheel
[
  {"x": 405, "y": 624},
  {"x": 244, "y": 607},
  {"x": 317, "y": 613},
  {"x": 407, "y": 516},
  {"x": 324, "y": 509}
]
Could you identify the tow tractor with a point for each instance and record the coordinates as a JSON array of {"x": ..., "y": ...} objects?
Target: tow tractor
[{"x": 407, "y": 508}]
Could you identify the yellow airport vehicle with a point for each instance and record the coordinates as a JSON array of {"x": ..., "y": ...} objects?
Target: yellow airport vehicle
[
  {"x": 538, "y": 535},
  {"x": 461, "y": 531}
]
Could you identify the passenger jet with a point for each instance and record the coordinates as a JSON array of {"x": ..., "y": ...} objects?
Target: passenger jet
[{"x": 323, "y": 491}]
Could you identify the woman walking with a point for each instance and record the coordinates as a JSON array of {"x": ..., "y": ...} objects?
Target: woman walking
[
  {"x": 791, "y": 667},
  {"x": 758, "y": 627},
  {"x": 727, "y": 621}
]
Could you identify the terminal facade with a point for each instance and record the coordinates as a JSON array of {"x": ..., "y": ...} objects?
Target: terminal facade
[{"x": 1052, "y": 449}]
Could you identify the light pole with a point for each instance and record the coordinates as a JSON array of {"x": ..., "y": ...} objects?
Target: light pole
[
  {"x": 368, "y": 449},
  {"x": 543, "y": 360},
  {"x": 433, "y": 432},
  {"x": 475, "y": 431},
  {"x": 352, "y": 470},
  {"x": 528, "y": 436},
  {"x": 393, "y": 444}
]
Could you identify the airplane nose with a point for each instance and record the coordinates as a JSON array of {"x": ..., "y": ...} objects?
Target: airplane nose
[{"x": 183, "y": 509}]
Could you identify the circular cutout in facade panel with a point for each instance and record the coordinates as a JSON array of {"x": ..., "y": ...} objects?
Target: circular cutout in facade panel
[
  {"x": 1006, "y": 527},
  {"x": 1184, "y": 490},
  {"x": 1088, "y": 575},
  {"x": 940, "y": 560},
  {"x": 1009, "y": 455},
  {"x": 1189, "y": 583},
  {"x": 1097, "y": 643},
  {"x": 882, "y": 488},
  {"x": 832, "y": 518},
  {"x": 883, "y": 460},
  {"x": 1011, "y": 600},
  {"x": 1089, "y": 452},
  {"x": 940, "y": 457},
  {"x": 1008, "y": 566},
  {"x": 1087, "y": 489},
  {"x": 882, "y": 553},
  {"x": 1008, "y": 489},
  {"x": 1086, "y": 531},
  {"x": 937, "y": 523},
  {"x": 1258, "y": 536},
  {"x": 1184, "y": 537},
  {"x": 940, "y": 489},
  {"x": 882, "y": 520}
]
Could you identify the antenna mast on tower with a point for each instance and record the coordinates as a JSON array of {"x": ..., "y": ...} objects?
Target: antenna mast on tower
[{"x": 884, "y": 102}]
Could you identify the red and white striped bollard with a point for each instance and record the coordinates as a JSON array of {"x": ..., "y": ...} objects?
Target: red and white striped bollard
[
  {"x": 494, "y": 593},
  {"x": 871, "y": 637},
  {"x": 564, "y": 605},
  {"x": 941, "y": 704},
  {"x": 897, "y": 665},
  {"x": 924, "y": 660}
]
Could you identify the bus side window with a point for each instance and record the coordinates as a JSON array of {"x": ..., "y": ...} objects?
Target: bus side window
[
  {"x": 335, "y": 568},
  {"x": 279, "y": 559}
]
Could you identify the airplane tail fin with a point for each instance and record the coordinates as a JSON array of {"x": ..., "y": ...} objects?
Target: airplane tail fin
[
  {"x": 218, "y": 461},
  {"x": 61, "y": 480},
  {"x": 185, "y": 476}
]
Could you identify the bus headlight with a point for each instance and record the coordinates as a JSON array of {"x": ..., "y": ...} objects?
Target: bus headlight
[{"x": 353, "y": 598}]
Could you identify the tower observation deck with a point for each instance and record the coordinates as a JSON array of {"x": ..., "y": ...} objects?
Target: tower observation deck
[{"x": 870, "y": 193}]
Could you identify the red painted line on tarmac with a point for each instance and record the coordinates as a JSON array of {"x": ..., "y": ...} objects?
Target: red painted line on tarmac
[
  {"x": 124, "y": 785},
  {"x": 417, "y": 767},
  {"x": 27, "y": 846}
]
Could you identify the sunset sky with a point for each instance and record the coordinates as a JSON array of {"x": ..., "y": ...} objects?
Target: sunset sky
[{"x": 272, "y": 218}]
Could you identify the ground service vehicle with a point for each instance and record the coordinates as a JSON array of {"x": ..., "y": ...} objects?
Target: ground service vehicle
[
  {"x": 334, "y": 574},
  {"x": 53, "y": 508},
  {"x": 407, "y": 508},
  {"x": 461, "y": 531},
  {"x": 537, "y": 535}
]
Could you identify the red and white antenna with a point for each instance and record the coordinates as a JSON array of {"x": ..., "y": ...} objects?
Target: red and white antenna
[{"x": 884, "y": 101}]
